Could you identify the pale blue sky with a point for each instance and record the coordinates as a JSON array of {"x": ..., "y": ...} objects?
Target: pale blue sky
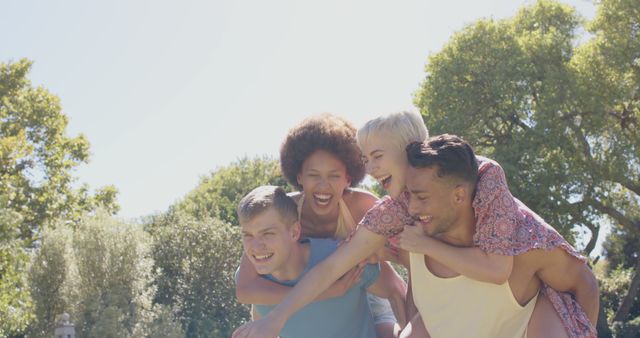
[{"x": 166, "y": 91}]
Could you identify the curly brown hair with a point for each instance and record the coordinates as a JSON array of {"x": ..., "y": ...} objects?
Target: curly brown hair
[{"x": 321, "y": 132}]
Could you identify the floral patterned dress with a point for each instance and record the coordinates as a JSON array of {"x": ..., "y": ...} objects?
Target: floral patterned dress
[{"x": 504, "y": 226}]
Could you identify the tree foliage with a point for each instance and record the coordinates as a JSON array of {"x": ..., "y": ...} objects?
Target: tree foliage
[
  {"x": 196, "y": 260},
  {"x": 560, "y": 116},
  {"x": 101, "y": 273},
  {"x": 37, "y": 159},
  {"x": 218, "y": 195}
]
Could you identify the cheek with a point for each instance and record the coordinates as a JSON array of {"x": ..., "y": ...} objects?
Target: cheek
[{"x": 307, "y": 183}]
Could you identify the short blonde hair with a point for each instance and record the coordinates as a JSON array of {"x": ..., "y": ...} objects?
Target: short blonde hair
[
  {"x": 264, "y": 197},
  {"x": 402, "y": 128}
]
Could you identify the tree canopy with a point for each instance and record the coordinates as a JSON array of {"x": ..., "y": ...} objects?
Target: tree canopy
[
  {"x": 218, "y": 194},
  {"x": 557, "y": 109},
  {"x": 37, "y": 159}
]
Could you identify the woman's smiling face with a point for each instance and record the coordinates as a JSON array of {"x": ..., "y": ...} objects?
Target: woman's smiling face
[
  {"x": 323, "y": 179},
  {"x": 385, "y": 162}
]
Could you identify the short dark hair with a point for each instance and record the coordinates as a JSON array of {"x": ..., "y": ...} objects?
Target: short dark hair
[
  {"x": 321, "y": 132},
  {"x": 264, "y": 197},
  {"x": 451, "y": 154}
]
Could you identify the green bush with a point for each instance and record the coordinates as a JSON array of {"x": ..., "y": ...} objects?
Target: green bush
[
  {"x": 195, "y": 260},
  {"x": 101, "y": 273}
]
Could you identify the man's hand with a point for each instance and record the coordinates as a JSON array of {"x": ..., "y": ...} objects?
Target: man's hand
[
  {"x": 265, "y": 327},
  {"x": 413, "y": 239}
]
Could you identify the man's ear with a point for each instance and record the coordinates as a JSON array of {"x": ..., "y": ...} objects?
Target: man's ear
[
  {"x": 460, "y": 194},
  {"x": 296, "y": 230}
]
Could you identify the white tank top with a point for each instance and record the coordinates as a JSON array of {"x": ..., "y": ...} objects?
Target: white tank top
[{"x": 462, "y": 307}]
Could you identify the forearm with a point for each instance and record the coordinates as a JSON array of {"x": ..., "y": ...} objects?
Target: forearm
[
  {"x": 253, "y": 289},
  {"x": 318, "y": 279},
  {"x": 471, "y": 262},
  {"x": 261, "y": 291},
  {"x": 391, "y": 286}
]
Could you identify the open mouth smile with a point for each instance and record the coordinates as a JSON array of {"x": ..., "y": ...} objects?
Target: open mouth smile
[
  {"x": 424, "y": 219},
  {"x": 384, "y": 181},
  {"x": 262, "y": 258},
  {"x": 322, "y": 199}
]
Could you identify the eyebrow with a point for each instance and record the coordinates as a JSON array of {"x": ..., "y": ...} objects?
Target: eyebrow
[
  {"x": 376, "y": 151},
  {"x": 332, "y": 171},
  {"x": 261, "y": 231}
]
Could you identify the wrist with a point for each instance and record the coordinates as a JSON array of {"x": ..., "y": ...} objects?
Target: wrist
[{"x": 277, "y": 316}]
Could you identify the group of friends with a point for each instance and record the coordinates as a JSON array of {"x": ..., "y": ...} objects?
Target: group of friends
[{"x": 316, "y": 262}]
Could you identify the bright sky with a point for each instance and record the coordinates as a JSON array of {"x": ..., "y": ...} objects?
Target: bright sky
[{"x": 166, "y": 91}]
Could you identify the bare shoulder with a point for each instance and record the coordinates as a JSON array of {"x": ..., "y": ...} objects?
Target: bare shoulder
[{"x": 359, "y": 201}]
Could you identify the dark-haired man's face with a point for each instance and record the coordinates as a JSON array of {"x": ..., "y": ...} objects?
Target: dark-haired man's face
[{"x": 432, "y": 200}]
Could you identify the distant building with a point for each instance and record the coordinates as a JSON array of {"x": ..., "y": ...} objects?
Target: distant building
[{"x": 65, "y": 328}]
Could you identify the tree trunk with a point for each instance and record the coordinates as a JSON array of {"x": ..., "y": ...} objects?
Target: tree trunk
[{"x": 627, "y": 302}]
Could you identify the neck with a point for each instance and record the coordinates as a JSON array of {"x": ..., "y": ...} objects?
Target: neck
[
  {"x": 462, "y": 231},
  {"x": 320, "y": 221},
  {"x": 293, "y": 267}
]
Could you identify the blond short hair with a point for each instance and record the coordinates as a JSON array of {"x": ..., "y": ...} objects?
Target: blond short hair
[
  {"x": 264, "y": 197},
  {"x": 401, "y": 128}
]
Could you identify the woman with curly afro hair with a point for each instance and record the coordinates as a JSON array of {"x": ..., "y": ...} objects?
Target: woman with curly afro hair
[{"x": 321, "y": 159}]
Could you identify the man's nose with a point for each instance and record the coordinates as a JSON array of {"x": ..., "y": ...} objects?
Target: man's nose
[{"x": 256, "y": 243}]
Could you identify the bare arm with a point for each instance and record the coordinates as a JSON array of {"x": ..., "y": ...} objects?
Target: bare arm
[
  {"x": 349, "y": 254},
  {"x": 410, "y": 307},
  {"x": 565, "y": 273},
  {"x": 471, "y": 262},
  {"x": 391, "y": 286},
  {"x": 252, "y": 289}
]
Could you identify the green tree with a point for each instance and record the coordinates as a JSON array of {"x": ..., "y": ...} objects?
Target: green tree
[
  {"x": 559, "y": 116},
  {"x": 101, "y": 272},
  {"x": 37, "y": 159},
  {"x": 15, "y": 303},
  {"x": 50, "y": 280},
  {"x": 196, "y": 260},
  {"x": 218, "y": 194}
]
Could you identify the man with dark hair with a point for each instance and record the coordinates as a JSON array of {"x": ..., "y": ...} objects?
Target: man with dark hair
[{"x": 452, "y": 252}]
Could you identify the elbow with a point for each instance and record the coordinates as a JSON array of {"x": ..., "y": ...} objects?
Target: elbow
[
  {"x": 589, "y": 286},
  {"x": 500, "y": 275},
  {"x": 498, "y": 279}
]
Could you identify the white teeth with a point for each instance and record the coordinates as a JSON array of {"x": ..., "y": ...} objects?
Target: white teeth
[
  {"x": 262, "y": 257},
  {"x": 322, "y": 199},
  {"x": 425, "y": 219},
  {"x": 382, "y": 179}
]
